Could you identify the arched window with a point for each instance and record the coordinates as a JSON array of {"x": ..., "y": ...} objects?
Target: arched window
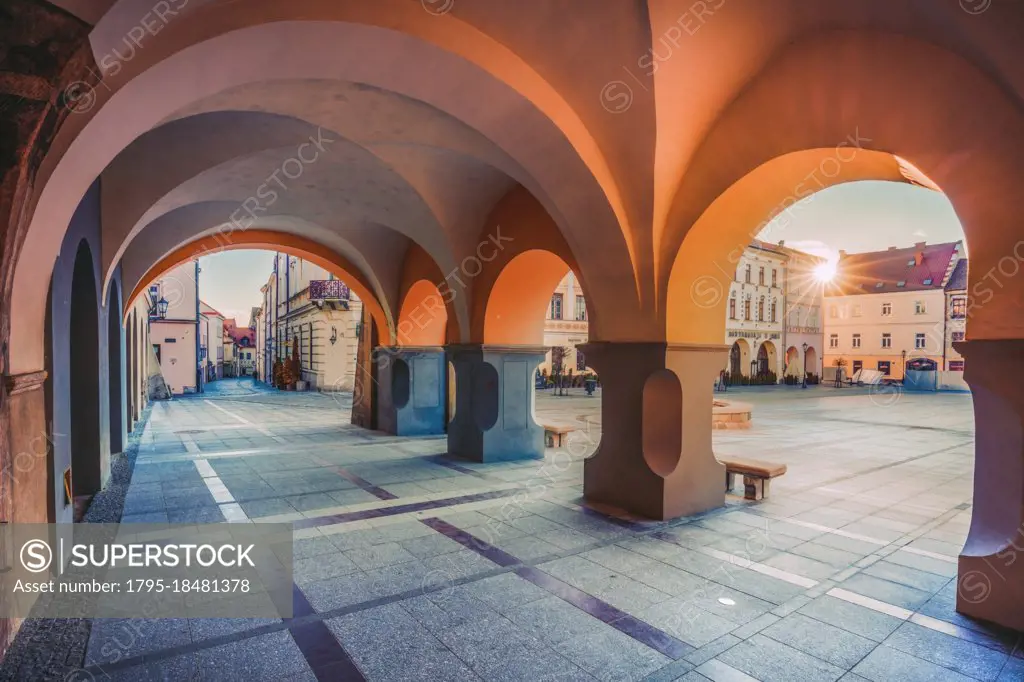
[
  {"x": 760, "y": 309},
  {"x": 772, "y": 309},
  {"x": 732, "y": 307},
  {"x": 760, "y": 276}
]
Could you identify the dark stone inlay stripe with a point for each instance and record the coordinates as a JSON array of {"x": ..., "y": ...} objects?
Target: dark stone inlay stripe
[
  {"x": 448, "y": 464},
  {"x": 326, "y": 657},
  {"x": 365, "y": 485},
  {"x": 620, "y": 620},
  {"x": 484, "y": 549},
  {"x": 348, "y": 517},
  {"x": 359, "y": 481}
]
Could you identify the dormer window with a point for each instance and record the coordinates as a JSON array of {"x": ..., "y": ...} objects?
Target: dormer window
[
  {"x": 901, "y": 283},
  {"x": 911, "y": 263},
  {"x": 879, "y": 285},
  {"x": 928, "y": 282}
]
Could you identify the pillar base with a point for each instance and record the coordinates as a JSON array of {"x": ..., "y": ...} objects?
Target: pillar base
[
  {"x": 412, "y": 390},
  {"x": 990, "y": 584},
  {"x": 494, "y": 403},
  {"x": 655, "y": 457}
]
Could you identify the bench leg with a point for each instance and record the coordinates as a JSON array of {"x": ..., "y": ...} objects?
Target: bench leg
[
  {"x": 755, "y": 488},
  {"x": 730, "y": 480}
]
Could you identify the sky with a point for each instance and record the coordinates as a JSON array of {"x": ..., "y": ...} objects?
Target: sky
[{"x": 855, "y": 217}]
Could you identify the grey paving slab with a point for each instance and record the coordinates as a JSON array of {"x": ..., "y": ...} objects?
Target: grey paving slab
[
  {"x": 772, "y": 661},
  {"x": 821, "y": 640}
]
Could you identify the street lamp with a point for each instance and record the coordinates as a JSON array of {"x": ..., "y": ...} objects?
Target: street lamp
[
  {"x": 159, "y": 309},
  {"x": 804, "y": 385},
  {"x": 903, "y": 359}
]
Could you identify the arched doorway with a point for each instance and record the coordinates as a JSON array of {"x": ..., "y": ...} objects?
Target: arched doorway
[
  {"x": 115, "y": 374},
  {"x": 793, "y": 365},
  {"x": 130, "y": 367},
  {"x": 811, "y": 362},
  {"x": 767, "y": 359},
  {"x": 84, "y": 342},
  {"x": 739, "y": 358}
]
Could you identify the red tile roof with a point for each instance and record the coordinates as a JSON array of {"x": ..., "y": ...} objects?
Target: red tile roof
[{"x": 920, "y": 267}]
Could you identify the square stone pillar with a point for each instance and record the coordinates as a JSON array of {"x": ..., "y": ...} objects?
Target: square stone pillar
[
  {"x": 655, "y": 457},
  {"x": 494, "y": 403},
  {"x": 990, "y": 584},
  {"x": 412, "y": 389}
]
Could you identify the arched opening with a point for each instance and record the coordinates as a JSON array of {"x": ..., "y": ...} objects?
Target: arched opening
[
  {"x": 84, "y": 343},
  {"x": 793, "y": 362},
  {"x": 115, "y": 370},
  {"x": 811, "y": 365},
  {"x": 739, "y": 359},
  {"x": 767, "y": 360},
  {"x": 519, "y": 301},
  {"x": 422, "y": 319},
  {"x": 129, "y": 413}
]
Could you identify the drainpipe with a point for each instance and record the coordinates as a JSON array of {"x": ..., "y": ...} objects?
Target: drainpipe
[
  {"x": 277, "y": 300},
  {"x": 199, "y": 373}
]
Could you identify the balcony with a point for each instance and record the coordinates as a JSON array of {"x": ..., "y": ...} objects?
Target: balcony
[{"x": 328, "y": 290}]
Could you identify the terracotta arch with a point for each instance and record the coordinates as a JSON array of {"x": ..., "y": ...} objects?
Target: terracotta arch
[
  {"x": 148, "y": 91},
  {"x": 705, "y": 265},
  {"x": 516, "y": 305},
  {"x": 422, "y": 318},
  {"x": 309, "y": 250},
  {"x": 768, "y": 148}
]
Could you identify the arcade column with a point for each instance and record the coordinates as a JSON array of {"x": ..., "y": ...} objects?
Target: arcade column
[
  {"x": 411, "y": 390},
  {"x": 655, "y": 457},
  {"x": 991, "y": 568},
  {"x": 492, "y": 418}
]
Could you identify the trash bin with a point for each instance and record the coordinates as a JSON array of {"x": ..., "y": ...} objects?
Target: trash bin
[{"x": 590, "y": 385}]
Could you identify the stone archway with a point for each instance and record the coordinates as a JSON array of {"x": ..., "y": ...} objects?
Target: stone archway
[
  {"x": 115, "y": 370},
  {"x": 793, "y": 362},
  {"x": 84, "y": 341}
]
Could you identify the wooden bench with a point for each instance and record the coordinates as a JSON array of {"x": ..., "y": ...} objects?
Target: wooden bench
[
  {"x": 554, "y": 434},
  {"x": 757, "y": 475}
]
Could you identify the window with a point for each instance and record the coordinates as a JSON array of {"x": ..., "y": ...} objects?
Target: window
[
  {"x": 920, "y": 308},
  {"x": 581, "y": 362},
  {"x": 760, "y": 276},
  {"x": 775, "y": 278},
  {"x": 581, "y": 308},
  {"x": 856, "y": 341},
  {"x": 884, "y": 366},
  {"x": 556, "y": 307},
  {"x": 732, "y": 307},
  {"x": 919, "y": 341},
  {"x": 833, "y": 311},
  {"x": 958, "y": 310},
  {"x": 772, "y": 310},
  {"x": 958, "y": 336},
  {"x": 833, "y": 341},
  {"x": 886, "y": 309},
  {"x": 748, "y": 273},
  {"x": 858, "y": 365},
  {"x": 928, "y": 282},
  {"x": 956, "y": 365},
  {"x": 760, "y": 309},
  {"x": 886, "y": 340},
  {"x": 856, "y": 310},
  {"x": 746, "y": 309}
]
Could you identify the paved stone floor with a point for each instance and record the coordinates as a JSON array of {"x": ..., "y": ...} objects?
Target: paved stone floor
[{"x": 413, "y": 566}]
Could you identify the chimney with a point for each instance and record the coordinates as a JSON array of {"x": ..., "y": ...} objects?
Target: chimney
[
  {"x": 842, "y": 254},
  {"x": 920, "y": 245},
  {"x": 918, "y": 258},
  {"x": 893, "y": 248},
  {"x": 782, "y": 242}
]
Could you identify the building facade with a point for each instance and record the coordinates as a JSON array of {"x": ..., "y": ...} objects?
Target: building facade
[
  {"x": 565, "y": 327},
  {"x": 774, "y": 303},
  {"x": 305, "y": 307},
  {"x": 956, "y": 316},
  {"x": 755, "y": 320},
  {"x": 212, "y": 348},
  {"x": 175, "y": 336},
  {"x": 887, "y": 308}
]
